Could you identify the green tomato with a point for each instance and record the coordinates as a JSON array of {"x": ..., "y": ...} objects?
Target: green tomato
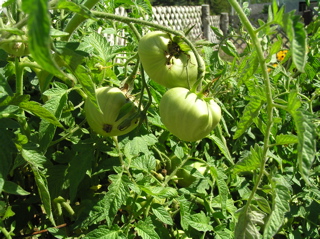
[
  {"x": 165, "y": 62},
  {"x": 189, "y": 173},
  {"x": 15, "y": 48},
  {"x": 117, "y": 116},
  {"x": 188, "y": 116}
]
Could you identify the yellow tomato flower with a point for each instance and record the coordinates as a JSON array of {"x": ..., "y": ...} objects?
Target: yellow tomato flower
[{"x": 281, "y": 55}]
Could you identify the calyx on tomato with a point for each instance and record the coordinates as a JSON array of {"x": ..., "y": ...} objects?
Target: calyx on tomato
[
  {"x": 167, "y": 61},
  {"x": 118, "y": 114},
  {"x": 188, "y": 116}
]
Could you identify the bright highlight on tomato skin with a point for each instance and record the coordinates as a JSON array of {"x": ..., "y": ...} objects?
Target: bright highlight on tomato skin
[
  {"x": 165, "y": 62},
  {"x": 109, "y": 122},
  {"x": 187, "y": 116}
]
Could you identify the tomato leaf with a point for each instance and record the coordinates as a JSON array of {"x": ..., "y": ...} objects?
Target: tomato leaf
[
  {"x": 306, "y": 131},
  {"x": 250, "y": 112},
  {"x": 39, "y": 41},
  {"x": 13, "y": 188},
  {"x": 280, "y": 206},
  {"x": 284, "y": 139},
  {"x": 74, "y": 7},
  {"x": 145, "y": 229},
  {"x": 56, "y": 103},
  {"x": 246, "y": 225},
  {"x": 37, "y": 109},
  {"x": 162, "y": 214},
  {"x": 249, "y": 163}
]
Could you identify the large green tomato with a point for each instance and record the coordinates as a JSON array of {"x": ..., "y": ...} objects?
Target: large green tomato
[
  {"x": 188, "y": 116},
  {"x": 117, "y": 116},
  {"x": 165, "y": 62}
]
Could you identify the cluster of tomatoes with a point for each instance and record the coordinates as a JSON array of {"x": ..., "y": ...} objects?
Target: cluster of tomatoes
[{"x": 188, "y": 115}]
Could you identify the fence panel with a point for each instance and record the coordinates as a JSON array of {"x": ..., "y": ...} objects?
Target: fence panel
[{"x": 180, "y": 18}]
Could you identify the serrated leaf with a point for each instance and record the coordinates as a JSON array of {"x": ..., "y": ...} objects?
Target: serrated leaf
[
  {"x": 299, "y": 44},
  {"x": 220, "y": 178},
  {"x": 102, "y": 46},
  {"x": 38, "y": 110},
  {"x": 145, "y": 229},
  {"x": 246, "y": 225},
  {"x": 222, "y": 146},
  {"x": 136, "y": 146},
  {"x": 105, "y": 233},
  {"x": 306, "y": 131},
  {"x": 74, "y": 7},
  {"x": 200, "y": 222},
  {"x": 249, "y": 163},
  {"x": 286, "y": 139},
  {"x": 56, "y": 103},
  {"x": 280, "y": 206},
  {"x": 160, "y": 192},
  {"x": 185, "y": 212},
  {"x": 162, "y": 214},
  {"x": 13, "y": 188},
  {"x": 39, "y": 41},
  {"x": 44, "y": 193},
  {"x": 117, "y": 194},
  {"x": 250, "y": 112},
  {"x": 145, "y": 163},
  {"x": 263, "y": 204},
  {"x": 105, "y": 207},
  {"x": 34, "y": 158},
  {"x": 86, "y": 82},
  {"x": 178, "y": 151}
]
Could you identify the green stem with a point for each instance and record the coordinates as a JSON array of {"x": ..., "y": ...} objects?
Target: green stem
[
  {"x": 77, "y": 19},
  {"x": 174, "y": 172},
  {"x": 4, "y": 231},
  {"x": 252, "y": 32},
  {"x": 19, "y": 77},
  {"x": 128, "y": 20}
]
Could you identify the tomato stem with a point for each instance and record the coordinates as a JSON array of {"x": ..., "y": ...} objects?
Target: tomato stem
[{"x": 262, "y": 61}]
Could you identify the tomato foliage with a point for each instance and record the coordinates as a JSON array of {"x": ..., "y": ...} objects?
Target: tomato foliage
[{"x": 251, "y": 172}]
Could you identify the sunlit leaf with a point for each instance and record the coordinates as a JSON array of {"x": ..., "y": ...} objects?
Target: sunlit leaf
[
  {"x": 39, "y": 41},
  {"x": 145, "y": 229},
  {"x": 162, "y": 214},
  {"x": 249, "y": 163},
  {"x": 250, "y": 112}
]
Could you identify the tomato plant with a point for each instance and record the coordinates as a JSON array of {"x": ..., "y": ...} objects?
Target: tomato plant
[
  {"x": 252, "y": 172},
  {"x": 165, "y": 61},
  {"x": 117, "y": 116},
  {"x": 187, "y": 115}
]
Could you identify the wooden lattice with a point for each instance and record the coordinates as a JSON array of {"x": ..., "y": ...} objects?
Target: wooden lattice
[
  {"x": 241, "y": 43},
  {"x": 180, "y": 18}
]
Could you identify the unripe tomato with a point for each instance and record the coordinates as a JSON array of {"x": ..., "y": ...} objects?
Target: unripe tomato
[
  {"x": 188, "y": 116},
  {"x": 165, "y": 62},
  {"x": 117, "y": 117},
  {"x": 15, "y": 48},
  {"x": 186, "y": 176}
]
